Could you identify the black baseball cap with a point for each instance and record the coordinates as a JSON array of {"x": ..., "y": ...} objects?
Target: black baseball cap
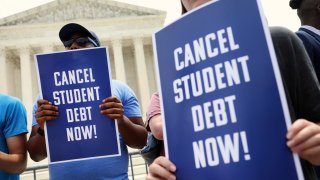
[
  {"x": 68, "y": 30},
  {"x": 295, "y": 4}
]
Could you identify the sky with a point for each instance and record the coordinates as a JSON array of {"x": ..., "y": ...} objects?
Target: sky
[{"x": 278, "y": 12}]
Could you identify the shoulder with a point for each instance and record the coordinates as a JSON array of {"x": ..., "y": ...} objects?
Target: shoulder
[
  {"x": 155, "y": 99},
  {"x": 127, "y": 97},
  {"x": 12, "y": 108},
  {"x": 119, "y": 84},
  {"x": 10, "y": 101},
  {"x": 282, "y": 33},
  {"x": 121, "y": 90},
  {"x": 284, "y": 39}
]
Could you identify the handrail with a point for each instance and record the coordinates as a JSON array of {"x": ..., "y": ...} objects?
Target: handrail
[{"x": 34, "y": 169}]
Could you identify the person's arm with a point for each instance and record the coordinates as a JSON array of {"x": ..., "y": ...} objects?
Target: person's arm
[
  {"x": 155, "y": 124},
  {"x": 131, "y": 128},
  {"x": 36, "y": 145},
  {"x": 16, "y": 160},
  {"x": 304, "y": 139},
  {"x": 154, "y": 118},
  {"x": 161, "y": 168}
]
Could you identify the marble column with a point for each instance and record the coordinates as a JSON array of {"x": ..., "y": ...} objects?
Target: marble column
[
  {"x": 142, "y": 74},
  {"x": 3, "y": 71},
  {"x": 26, "y": 79},
  {"x": 118, "y": 60}
]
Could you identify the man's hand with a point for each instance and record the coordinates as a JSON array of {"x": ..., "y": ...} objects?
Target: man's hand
[
  {"x": 161, "y": 168},
  {"x": 304, "y": 139},
  {"x": 45, "y": 112},
  {"x": 113, "y": 108}
]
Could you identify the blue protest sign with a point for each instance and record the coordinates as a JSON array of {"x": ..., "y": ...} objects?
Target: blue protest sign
[
  {"x": 223, "y": 102},
  {"x": 77, "y": 81}
]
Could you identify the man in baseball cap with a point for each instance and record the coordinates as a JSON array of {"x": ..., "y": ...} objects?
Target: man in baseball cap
[
  {"x": 122, "y": 106},
  {"x": 75, "y": 36}
]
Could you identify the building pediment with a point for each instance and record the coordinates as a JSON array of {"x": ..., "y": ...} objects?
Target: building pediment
[{"x": 67, "y": 10}]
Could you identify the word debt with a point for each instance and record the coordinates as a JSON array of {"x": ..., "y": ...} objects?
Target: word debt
[
  {"x": 79, "y": 114},
  {"x": 218, "y": 112},
  {"x": 78, "y": 76},
  {"x": 210, "y": 79},
  {"x": 80, "y": 133},
  {"x": 221, "y": 150},
  {"x": 209, "y": 46}
]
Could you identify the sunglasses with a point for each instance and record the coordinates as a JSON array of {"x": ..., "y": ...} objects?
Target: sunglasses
[{"x": 81, "y": 41}]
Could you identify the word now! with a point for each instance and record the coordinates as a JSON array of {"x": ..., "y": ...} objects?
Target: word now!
[{"x": 82, "y": 133}]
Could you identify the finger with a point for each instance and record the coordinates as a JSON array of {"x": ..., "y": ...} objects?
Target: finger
[
  {"x": 111, "y": 99},
  {"x": 166, "y": 163},
  {"x": 297, "y": 126},
  {"x": 47, "y": 107},
  {"x": 311, "y": 155},
  {"x": 303, "y": 135},
  {"x": 111, "y": 105},
  {"x": 44, "y": 113},
  {"x": 159, "y": 172},
  {"x": 308, "y": 144},
  {"x": 42, "y": 101},
  {"x": 112, "y": 111}
]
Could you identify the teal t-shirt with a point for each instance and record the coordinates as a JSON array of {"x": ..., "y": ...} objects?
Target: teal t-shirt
[
  {"x": 111, "y": 168},
  {"x": 13, "y": 121}
]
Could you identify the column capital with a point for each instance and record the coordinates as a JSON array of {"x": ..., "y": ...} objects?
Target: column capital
[
  {"x": 46, "y": 48},
  {"x": 2, "y": 48},
  {"x": 137, "y": 39},
  {"x": 22, "y": 49},
  {"x": 116, "y": 41}
]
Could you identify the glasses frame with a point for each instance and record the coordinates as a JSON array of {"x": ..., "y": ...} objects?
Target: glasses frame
[{"x": 81, "y": 41}]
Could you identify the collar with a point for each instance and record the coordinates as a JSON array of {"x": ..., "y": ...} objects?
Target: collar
[{"x": 312, "y": 29}]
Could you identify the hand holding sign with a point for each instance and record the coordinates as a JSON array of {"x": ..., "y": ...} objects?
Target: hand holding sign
[
  {"x": 45, "y": 112},
  {"x": 161, "y": 168},
  {"x": 113, "y": 108},
  {"x": 303, "y": 139}
]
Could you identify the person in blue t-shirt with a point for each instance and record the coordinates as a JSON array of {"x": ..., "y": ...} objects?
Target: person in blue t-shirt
[
  {"x": 13, "y": 140},
  {"x": 123, "y": 106}
]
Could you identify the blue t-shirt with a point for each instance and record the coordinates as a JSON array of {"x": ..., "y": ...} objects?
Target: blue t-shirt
[
  {"x": 13, "y": 121},
  {"x": 102, "y": 168}
]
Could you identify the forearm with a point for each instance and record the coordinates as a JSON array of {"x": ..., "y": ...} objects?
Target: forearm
[
  {"x": 155, "y": 124},
  {"x": 134, "y": 135},
  {"x": 13, "y": 163},
  {"x": 37, "y": 147}
]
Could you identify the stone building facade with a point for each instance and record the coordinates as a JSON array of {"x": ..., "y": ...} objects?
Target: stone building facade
[{"x": 125, "y": 29}]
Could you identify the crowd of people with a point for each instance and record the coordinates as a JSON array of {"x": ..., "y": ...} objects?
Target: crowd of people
[{"x": 297, "y": 56}]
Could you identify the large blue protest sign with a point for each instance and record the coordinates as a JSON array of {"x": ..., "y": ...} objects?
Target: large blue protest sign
[
  {"x": 77, "y": 81},
  {"x": 223, "y": 103}
]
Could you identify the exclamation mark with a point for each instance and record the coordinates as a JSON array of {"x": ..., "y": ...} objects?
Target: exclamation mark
[
  {"x": 95, "y": 131},
  {"x": 245, "y": 145}
]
